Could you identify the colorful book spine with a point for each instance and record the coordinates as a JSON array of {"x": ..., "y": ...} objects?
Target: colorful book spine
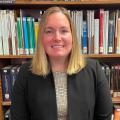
[
  {"x": 5, "y": 32},
  {"x": 101, "y": 31},
  {"x": 1, "y": 36},
  {"x": 25, "y": 35},
  {"x": 85, "y": 38},
  {"x": 13, "y": 75},
  {"x": 111, "y": 37},
  {"x": 96, "y": 36},
  {"x": 36, "y": 30},
  {"x": 118, "y": 37},
  {"x": 19, "y": 36},
  {"x": 6, "y": 83},
  {"x": 13, "y": 33},
  {"x": 31, "y": 32}
]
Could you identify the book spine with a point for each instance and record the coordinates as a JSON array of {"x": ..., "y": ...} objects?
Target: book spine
[
  {"x": 19, "y": 36},
  {"x": 1, "y": 36},
  {"x": 31, "y": 33},
  {"x": 110, "y": 37},
  {"x": 101, "y": 31},
  {"x": 96, "y": 36},
  {"x": 25, "y": 34},
  {"x": 6, "y": 84},
  {"x": 85, "y": 40},
  {"x": 13, "y": 32}
]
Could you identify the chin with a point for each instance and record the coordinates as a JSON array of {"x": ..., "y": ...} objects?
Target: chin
[{"x": 60, "y": 55}]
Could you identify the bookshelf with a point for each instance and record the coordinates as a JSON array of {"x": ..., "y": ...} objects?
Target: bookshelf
[{"x": 27, "y": 4}]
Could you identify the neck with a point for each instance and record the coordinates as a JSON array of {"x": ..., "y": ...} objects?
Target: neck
[{"x": 59, "y": 65}]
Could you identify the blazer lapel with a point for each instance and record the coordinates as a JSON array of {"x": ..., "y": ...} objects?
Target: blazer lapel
[{"x": 78, "y": 98}]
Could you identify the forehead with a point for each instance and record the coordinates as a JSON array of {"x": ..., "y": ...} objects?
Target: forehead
[{"x": 57, "y": 18}]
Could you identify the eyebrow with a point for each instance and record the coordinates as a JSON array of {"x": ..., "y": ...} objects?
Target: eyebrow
[{"x": 49, "y": 27}]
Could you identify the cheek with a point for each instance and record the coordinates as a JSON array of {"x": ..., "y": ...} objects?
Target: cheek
[
  {"x": 70, "y": 43},
  {"x": 45, "y": 42}
]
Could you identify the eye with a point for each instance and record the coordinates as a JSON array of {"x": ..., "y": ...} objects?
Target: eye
[
  {"x": 63, "y": 31},
  {"x": 48, "y": 31}
]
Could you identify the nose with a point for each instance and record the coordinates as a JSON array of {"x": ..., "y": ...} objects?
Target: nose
[{"x": 57, "y": 36}]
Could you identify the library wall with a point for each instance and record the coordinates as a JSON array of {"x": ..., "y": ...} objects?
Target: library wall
[{"x": 95, "y": 42}]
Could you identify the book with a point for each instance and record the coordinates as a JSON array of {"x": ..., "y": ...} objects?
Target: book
[
  {"x": 111, "y": 37},
  {"x": 25, "y": 35},
  {"x": 13, "y": 75},
  {"x": 116, "y": 112},
  {"x": 1, "y": 35},
  {"x": 6, "y": 83},
  {"x": 31, "y": 34},
  {"x": 5, "y": 32},
  {"x": 105, "y": 31},
  {"x": 19, "y": 36},
  {"x": 13, "y": 33},
  {"x": 36, "y": 30},
  {"x": 118, "y": 37},
  {"x": 101, "y": 17},
  {"x": 7, "y": 115},
  {"x": 96, "y": 36},
  {"x": 84, "y": 39}
]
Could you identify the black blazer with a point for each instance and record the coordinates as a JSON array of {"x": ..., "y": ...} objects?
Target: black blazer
[{"x": 88, "y": 95}]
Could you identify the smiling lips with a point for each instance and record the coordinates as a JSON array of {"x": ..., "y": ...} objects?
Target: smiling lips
[{"x": 57, "y": 46}]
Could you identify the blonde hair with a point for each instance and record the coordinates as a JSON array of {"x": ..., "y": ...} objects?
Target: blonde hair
[{"x": 40, "y": 63}]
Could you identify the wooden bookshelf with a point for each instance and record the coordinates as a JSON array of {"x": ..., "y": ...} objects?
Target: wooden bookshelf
[
  {"x": 6, "y": 103},
  {"x": 15, "y": 56},
  {"x": 82, "y": 2},
  {"x": 34, "y": 4},
  {"x": 102, "y": 55},
  {"x": 1, "y": 108},
  {"x": 86, "y": 55},
  {"x": 116, "y": 99}
]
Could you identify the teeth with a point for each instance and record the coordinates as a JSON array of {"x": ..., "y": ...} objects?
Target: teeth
[{"x": 57, "y": 46}]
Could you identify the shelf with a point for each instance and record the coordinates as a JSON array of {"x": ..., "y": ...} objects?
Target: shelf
[
  {"x": 94, "y": 4},
  {"x": 86, "y": 55},
  {"x": 15, "y": 56},
  {"x": 116, "y": 100},
  {"x": 102, "y": 55},
  {"x": 6, "y": 103}
]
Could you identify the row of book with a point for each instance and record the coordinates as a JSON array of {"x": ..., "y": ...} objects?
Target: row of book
[
  {"x": 116, "y": 113},
  {"x": 7, "y": 1},
  {"x": 113, "y": 76},
  {"x": 98, "y": 31},
  {"x": 9, "y": 75},
  {"x": 7, "y": 115},
  {"x": 59, "y": 0},
  {"x": 18, "y": 35}
]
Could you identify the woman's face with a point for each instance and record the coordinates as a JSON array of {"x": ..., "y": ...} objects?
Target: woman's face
[{"x": 57, "y": 38}]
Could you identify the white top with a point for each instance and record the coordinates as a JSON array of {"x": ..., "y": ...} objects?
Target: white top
[{"x": 60, "y": 80}]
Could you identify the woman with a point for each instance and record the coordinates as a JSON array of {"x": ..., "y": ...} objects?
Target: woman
[{"x": 59, "y": 84}]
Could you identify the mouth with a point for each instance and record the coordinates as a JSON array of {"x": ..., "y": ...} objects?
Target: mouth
[{"x": 57, "y": 46}]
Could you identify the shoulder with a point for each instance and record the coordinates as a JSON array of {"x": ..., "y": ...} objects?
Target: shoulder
[
  {"x": 93, "y": 68},
  {"x": 92, "y": 63},
  {"x": 25, "y": 70},
  {"x": 25, "y": 67}
]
